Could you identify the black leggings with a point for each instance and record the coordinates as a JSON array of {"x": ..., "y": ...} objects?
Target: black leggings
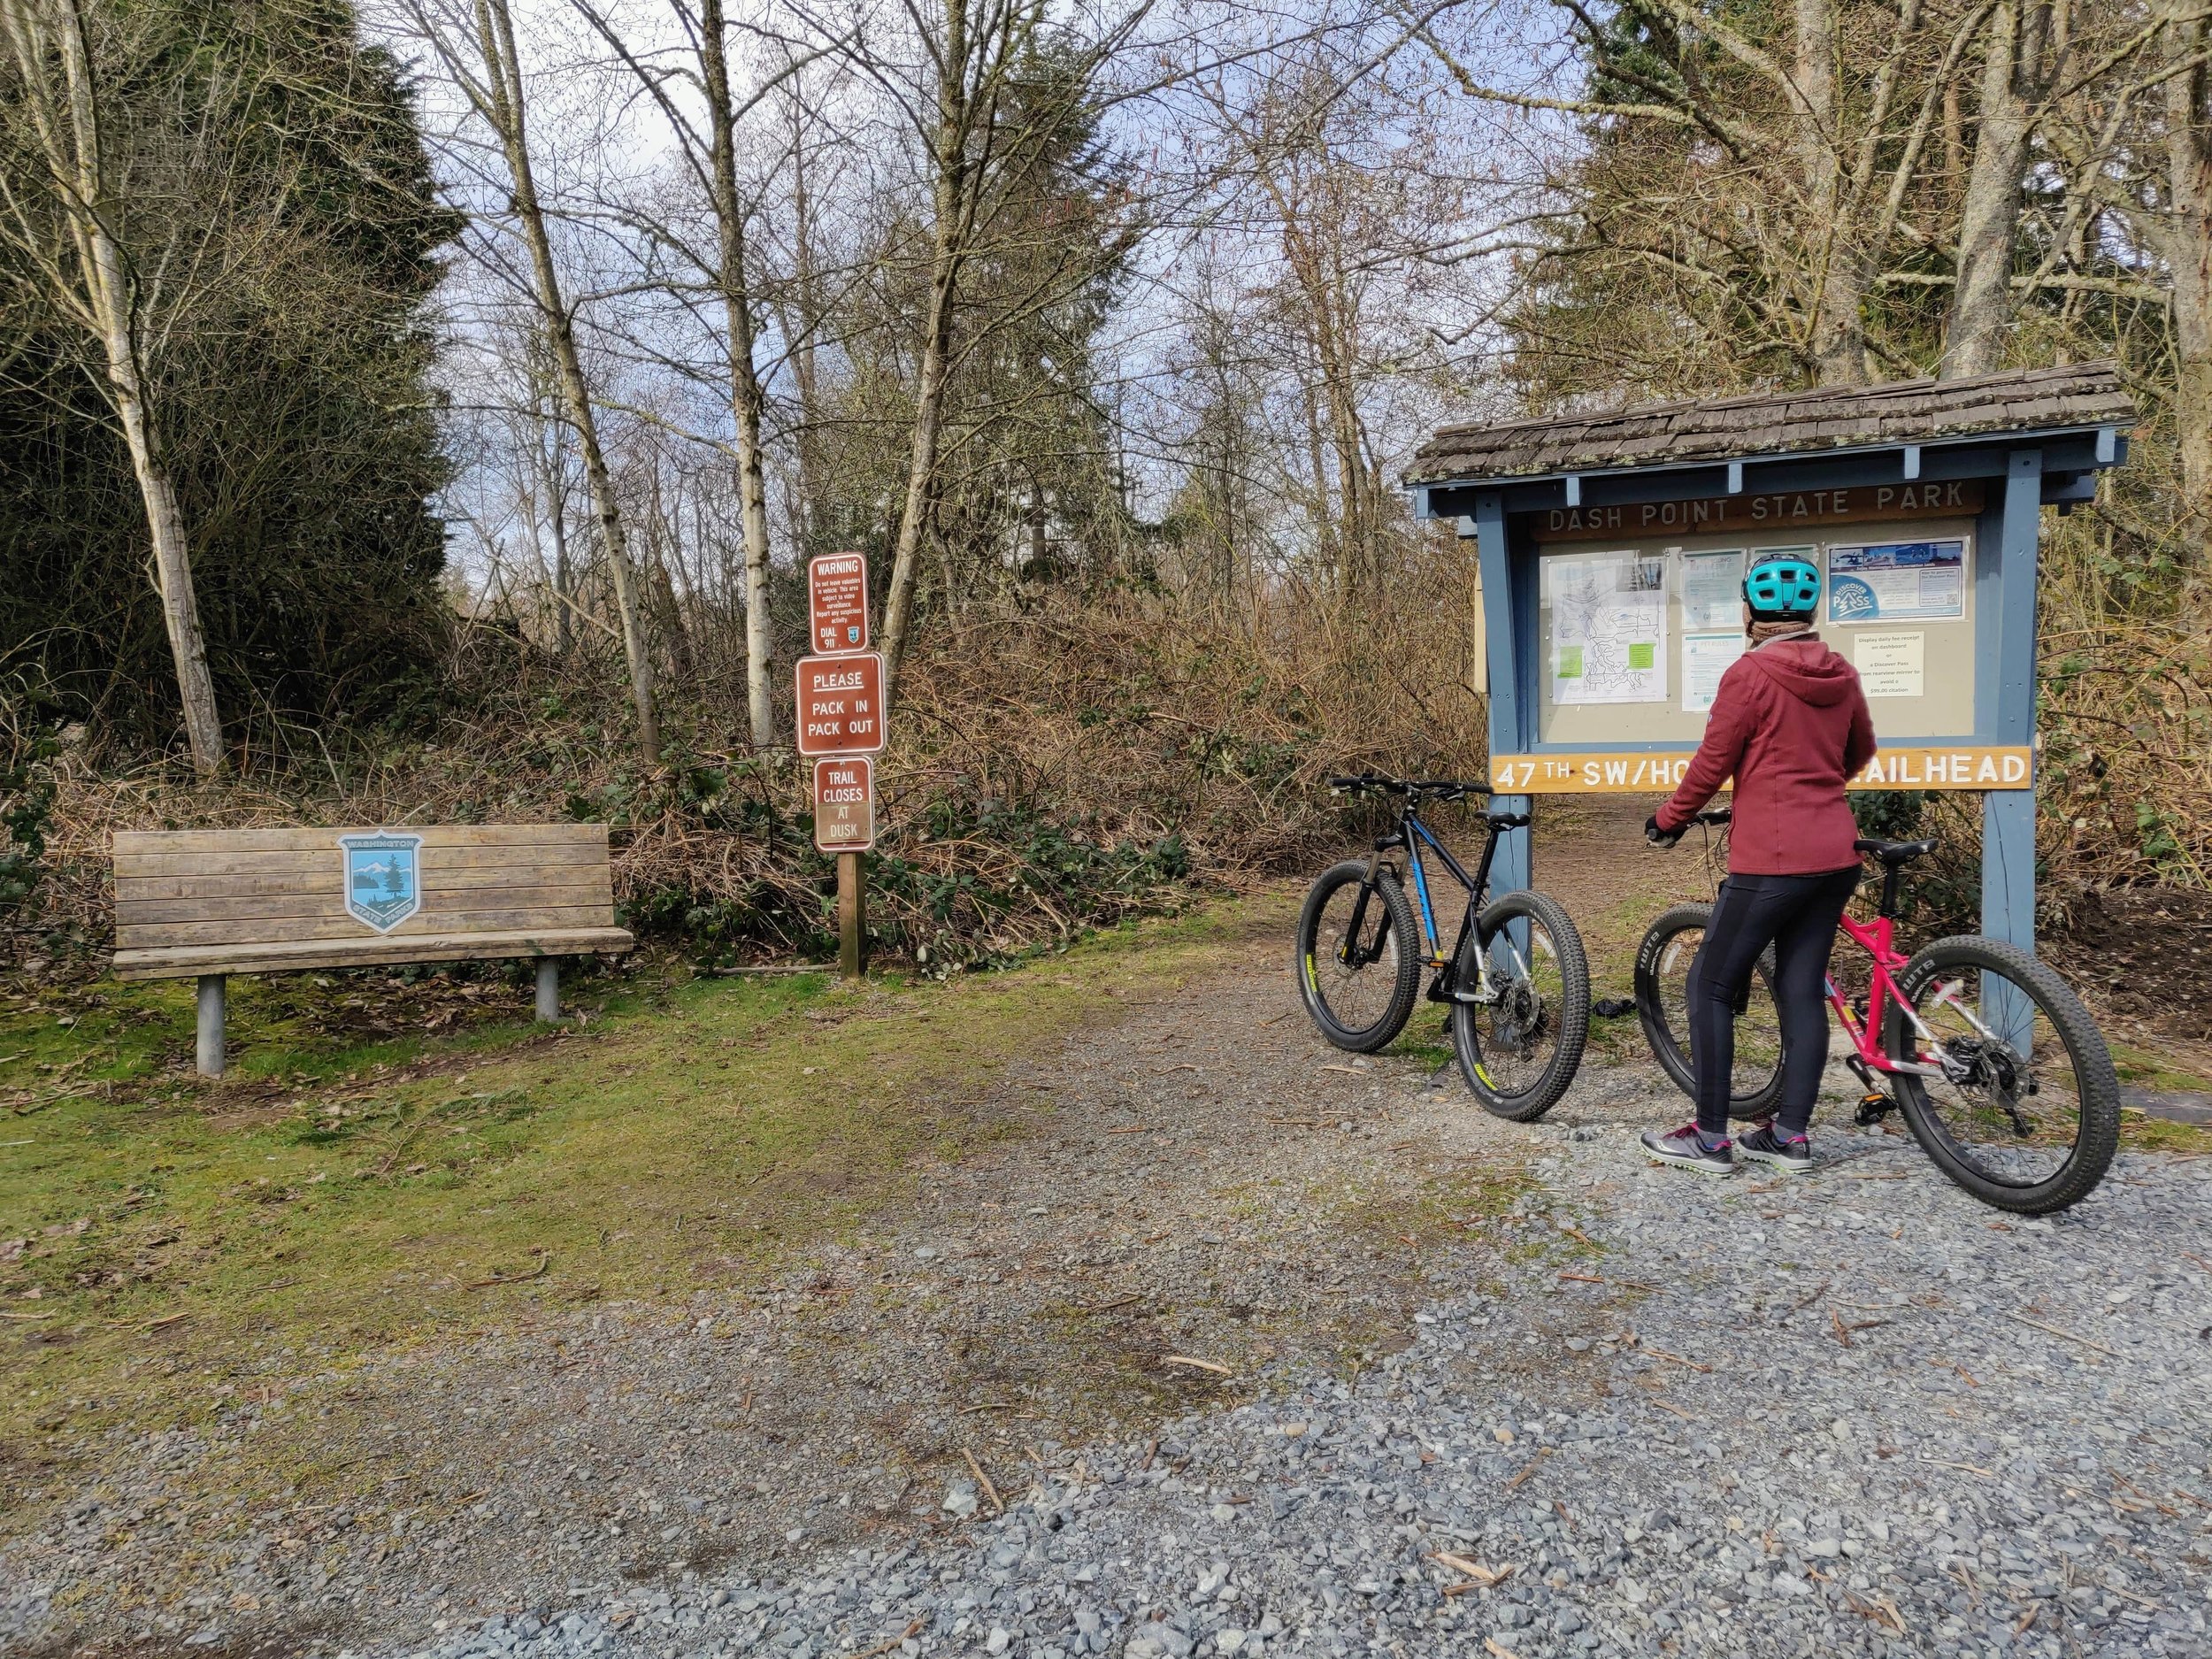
[{"x": 1797, "y": 915}]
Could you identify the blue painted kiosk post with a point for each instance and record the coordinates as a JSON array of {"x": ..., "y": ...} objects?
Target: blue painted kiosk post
[{"x": 1611, "y": 547}]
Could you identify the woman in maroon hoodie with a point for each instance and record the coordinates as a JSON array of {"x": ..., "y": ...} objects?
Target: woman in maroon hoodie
[{"x": 1790, "y": 723}]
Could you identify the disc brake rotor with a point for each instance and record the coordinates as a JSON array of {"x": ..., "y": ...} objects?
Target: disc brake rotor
[{"x": 1519, "y": 1018}]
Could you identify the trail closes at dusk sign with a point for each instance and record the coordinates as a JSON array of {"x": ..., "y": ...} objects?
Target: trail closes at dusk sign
[
  {"x": 840, "y": 704},
  {"x": 845, "y": 804}
]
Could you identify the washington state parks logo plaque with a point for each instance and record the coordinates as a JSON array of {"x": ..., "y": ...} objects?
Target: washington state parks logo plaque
[{"x": 383, "y": 878}]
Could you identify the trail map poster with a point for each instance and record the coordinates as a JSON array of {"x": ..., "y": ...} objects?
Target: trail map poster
[{"x": 1608, "y": 627}]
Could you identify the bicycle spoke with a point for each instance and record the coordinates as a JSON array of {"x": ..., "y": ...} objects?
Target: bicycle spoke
[
  {"x": 1354, "y": 977},
  {"x": 1518, "y": 1031},
  {"x": 2010, "y": 1098}
]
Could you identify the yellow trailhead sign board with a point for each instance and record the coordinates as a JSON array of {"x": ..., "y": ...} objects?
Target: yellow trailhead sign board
[{"x": 1955, "y": 766}]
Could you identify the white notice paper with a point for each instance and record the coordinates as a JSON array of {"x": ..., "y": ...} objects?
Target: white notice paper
[
  {"x": 1608, "y": 627},
  {"x": 1891, "y": 664},
  {"x": 1712, "y": 591},
  {"x": 1705, "y": 658}
]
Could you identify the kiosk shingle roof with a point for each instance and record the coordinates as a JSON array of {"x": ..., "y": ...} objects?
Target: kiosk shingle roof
[{"x": 1728, "y": 428}]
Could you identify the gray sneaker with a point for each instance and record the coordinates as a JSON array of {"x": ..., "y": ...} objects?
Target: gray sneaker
[
  {"x": 1767, "y": 1145},
  {"x": 1686, "y": 1150}
]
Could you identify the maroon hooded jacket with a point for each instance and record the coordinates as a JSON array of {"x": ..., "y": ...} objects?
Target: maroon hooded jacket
[{"x": 1790, "y": 722}]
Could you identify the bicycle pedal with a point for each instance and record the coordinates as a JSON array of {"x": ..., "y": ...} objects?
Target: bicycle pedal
[{"x": 1873, "y": 1109}]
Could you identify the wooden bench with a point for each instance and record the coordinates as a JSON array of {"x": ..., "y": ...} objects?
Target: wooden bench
[{"x": 207, "y": 903}]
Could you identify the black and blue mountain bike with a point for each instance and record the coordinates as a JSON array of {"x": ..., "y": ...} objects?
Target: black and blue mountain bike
[{"x": 1515, "y": 979}]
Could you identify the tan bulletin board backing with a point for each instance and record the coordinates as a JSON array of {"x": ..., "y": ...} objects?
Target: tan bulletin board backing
[{"x": 1918, "y": 670}]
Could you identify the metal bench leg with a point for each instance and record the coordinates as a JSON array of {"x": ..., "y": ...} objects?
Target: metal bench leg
[
  {"x": 212, "y": 997},
  {"x": 548, "y": 989}
]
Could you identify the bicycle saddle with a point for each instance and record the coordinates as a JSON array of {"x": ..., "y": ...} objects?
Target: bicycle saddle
[{"x": 1894, "y": 853}]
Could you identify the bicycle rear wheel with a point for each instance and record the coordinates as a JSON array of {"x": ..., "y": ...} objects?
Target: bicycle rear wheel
[
  {"x": 1520, "y": 1049},
  {"x": 1663, "y": 1005},
  {"x": 1358, "y": 962},
  {"x": 2026, "y": 1113}
]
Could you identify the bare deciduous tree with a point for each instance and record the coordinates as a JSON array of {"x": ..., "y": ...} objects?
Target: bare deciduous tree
[
  {"x": 493, "y": 82},
  {"x": 72, "y": 237}
]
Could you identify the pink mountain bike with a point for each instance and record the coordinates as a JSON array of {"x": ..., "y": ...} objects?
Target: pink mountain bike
[{"x": 2002, "y": 1075}]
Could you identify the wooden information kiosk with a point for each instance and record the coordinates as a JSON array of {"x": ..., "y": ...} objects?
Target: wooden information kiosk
[{"x": 1612, "y": 550}]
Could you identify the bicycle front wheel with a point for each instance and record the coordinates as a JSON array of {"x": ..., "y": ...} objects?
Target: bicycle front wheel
[
  {"x": 1520, "y": 1046},
  {"x": 2024, "y": 1111},
  {"x": 1663, "y": 1006},
  {"x": 1358, "y": 961}
]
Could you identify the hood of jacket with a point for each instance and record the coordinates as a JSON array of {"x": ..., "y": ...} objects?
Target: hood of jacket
[{"x": 1805, "y": 668}]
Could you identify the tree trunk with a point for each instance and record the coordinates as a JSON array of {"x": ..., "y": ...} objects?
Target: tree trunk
[
  {"x": 813, "y": 515},
  {"x": 949, "y": 161},
  {"x": 2187, "y": 245},
  {"x": 172, "y": 580},
  {"x": 495, "y": 27},
  {"x": 1989, "y": 219},
  {"x": 68, "y": 129},
  {"x": 746, "y": 398},
  {"x": 1838, "y": 343}
]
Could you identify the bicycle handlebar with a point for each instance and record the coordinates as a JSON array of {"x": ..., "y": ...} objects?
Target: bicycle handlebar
[{"x": 1715, "y": 815}]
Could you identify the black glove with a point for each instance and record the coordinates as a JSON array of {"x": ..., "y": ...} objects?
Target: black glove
[{"x": 1659, "y": 837}]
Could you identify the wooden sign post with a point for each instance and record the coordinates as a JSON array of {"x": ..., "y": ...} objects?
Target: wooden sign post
[{"x": 841, "y": 719}]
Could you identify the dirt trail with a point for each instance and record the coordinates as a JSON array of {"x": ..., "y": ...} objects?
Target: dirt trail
[{"x": 1196, "y": 1176}]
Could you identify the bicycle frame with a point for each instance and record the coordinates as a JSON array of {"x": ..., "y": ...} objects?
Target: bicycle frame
[
  {"x": 1412, "y": 835},
  {"x": 1878, "y": 939}
]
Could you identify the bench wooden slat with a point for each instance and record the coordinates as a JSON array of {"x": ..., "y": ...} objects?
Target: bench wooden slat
[
  {"x": 434, "y": 835},
  {"x": 392, "y": 949},
  {"x": 513, "y": 856},
  {"x": 323, "y": 900},
  {"x": 253, "y": 931},
  {"x": 211, "y": 902},
  {"x": 437, "y": 881}
]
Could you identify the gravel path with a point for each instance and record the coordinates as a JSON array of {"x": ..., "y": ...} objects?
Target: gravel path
[
  {"x": 1643, "y": 1412},
  {"x": 1708, "y": 1467}
]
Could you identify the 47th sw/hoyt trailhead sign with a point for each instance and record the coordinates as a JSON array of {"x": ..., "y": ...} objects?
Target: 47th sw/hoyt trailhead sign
[{"x": 1613, "y": 549}]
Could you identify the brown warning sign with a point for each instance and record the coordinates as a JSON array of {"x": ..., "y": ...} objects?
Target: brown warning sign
[
  {"x": 840, "y": 704},
  {"x": 845, "y": 804},
  {"x": 837, "y": 602}
]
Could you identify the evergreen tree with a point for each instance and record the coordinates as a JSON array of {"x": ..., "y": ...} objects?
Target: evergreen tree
[{"x": 289, "y": 368}]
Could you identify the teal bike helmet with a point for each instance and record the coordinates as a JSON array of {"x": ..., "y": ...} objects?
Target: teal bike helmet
[{"x": 1782, "y": 587}]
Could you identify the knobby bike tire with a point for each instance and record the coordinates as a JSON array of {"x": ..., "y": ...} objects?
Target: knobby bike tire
[
  {"x": 1540, "y": 1095},
  {"x": 2098, "y": 1138},
  {"x": 1399, "y": 929},
  {"x": 1669, "y": 1048}
]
